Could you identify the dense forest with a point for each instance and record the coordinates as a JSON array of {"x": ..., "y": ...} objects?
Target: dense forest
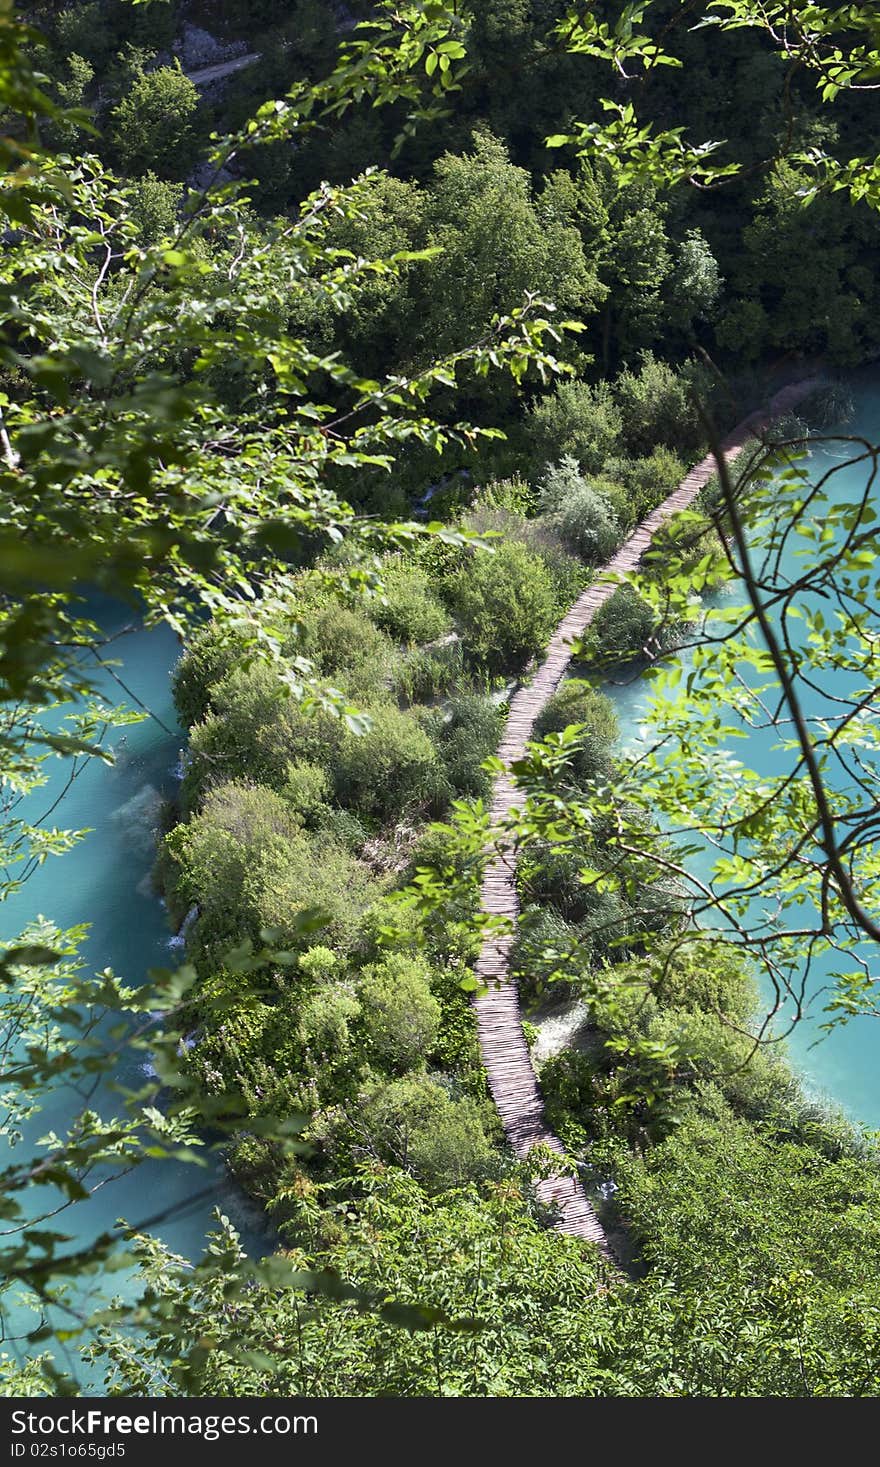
[{"x": 359, "y": 391}]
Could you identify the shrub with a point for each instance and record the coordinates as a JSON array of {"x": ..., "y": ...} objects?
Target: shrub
[
  {"x": 576, "y": 420},
  {"x": 311, "y": 872},
  {"x": 468, "y": 736},
  {"x": 624, "y": 626},
  {"x": 83, "y": 29},
  {"x": 415, "y": 1122},
  {"x": 514, "y": 495},
  {"x": 252, "y": 814},
  {"x": 345, "y": 644},
  {"x": 505, "y": 605},
  {"x": 581, "y": 516},
  {"x": 205, "y": 865},
  {"x": 306, "y": 790},
  {"x": 569, "y": 576},
  {"x": 409, "y": 611},
  {"x": 210, "y": 653},
  {"x": 257, "y": 729},
  {"x": 401, "y": 1015},
  {"x": 424, "y": 672},
  {"x": 658, "y": 406},
  {"x": 155, "y": 207},
  {"x": 326, "y": 1018},
  {"x": 547, "y": 947},
  {"x": 578, "y": 702},
  {"x": 644, "y": 482},
  {"x": 705, "y": 976},
  {"x": 394, "y": 765}
]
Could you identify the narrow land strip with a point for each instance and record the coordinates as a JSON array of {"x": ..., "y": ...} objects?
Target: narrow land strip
[{"x": 512, "y": 1079}]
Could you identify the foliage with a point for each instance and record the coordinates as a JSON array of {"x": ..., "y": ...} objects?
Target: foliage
[
  {"x": 467, "y": 737},
  {"x": 389, "y": 767},
  {"x": 408, "y": 609},
  {"x": 580, "y": 515},
  {"x": 401, "y": 1015},
  {"x": 657, "y": 407},
  {"x": 579, "y": 703},
  {"x": 199, "y": 381},
  {"x": 152, "y": 125},
  {"x": 624, "y": 626},
  {"x": 504, "y": 604},
  {"x": 576, "y": 420},
  {"x": 414, "y": 1122}
]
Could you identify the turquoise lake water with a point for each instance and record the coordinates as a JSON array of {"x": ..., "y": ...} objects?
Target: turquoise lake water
[
  {"x": 843, "y": 1066},
  {"x": 105, "y": 881}
]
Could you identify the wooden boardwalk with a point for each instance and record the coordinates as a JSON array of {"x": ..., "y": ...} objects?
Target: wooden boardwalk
[{"x": 511, "y": 1077}]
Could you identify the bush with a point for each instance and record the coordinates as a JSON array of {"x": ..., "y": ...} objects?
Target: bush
[
  {"x": 409, "y": 611},
  {"x": 345, "y": 644},
  {"x": 569, "y": 576},
  {"x": 468, "y": 736},
  {"x": 514, "y": 495},
  {"x": 394, "y": 765},
  {"x": 252, "y": 814},
  {"x": 83, "y": 29},
  {"x": 624, "y": 626},
  {"x": 505, "y": 605},
  {"x": 326, "y": 1018},
  {"x": 401, "y": 1015},
  {"x": 577, "y": 701},
  {"x": 306, "y": 791},
  {"x": 545, "y": 946},
  {"x": 644, "y": 482},
  {"x": 658, "y": 406},
  {"x": 424, "y": 672},
  {"x": 257, "y": 729},
  {"x": 248, "y": 865},
  {"x": 310, "y": 872},
  {"x": 575, "y": 420},
  {"x": 155, "y": 207},
  {"x": 583, "y": 519},
  {"x": 209, "y": 655},
  {"x": 207, "y": 858},
  {"x": 705, "y": 976},
  {"x": 416, "y": 1123}
]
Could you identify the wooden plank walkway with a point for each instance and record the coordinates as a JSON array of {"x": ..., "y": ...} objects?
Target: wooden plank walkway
[{"x": 512, "y": 1079}]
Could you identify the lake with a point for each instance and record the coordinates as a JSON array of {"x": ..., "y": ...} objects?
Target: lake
[
  {"x": 105, "y": 881},
  {"x": 842, "y": 1067}
]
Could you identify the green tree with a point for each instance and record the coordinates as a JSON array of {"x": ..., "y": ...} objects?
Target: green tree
[{"x": 153, "y": 125}]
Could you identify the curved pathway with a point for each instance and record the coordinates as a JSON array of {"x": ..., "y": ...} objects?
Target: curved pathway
[{"x": 509, "y": 1069}]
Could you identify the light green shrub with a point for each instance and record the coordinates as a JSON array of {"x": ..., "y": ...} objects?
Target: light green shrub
[
  {"x": 581, "y": 516},
  {"x": 658, "y": 405},
  {"x": 326, "y": 1018},
  {"x": 394, "y": 765},
  {"x": 415, "y": 1122},
  {"x": 311, "y": 872},
  {"x": 625, "y": 626},
  {"x": 409, "y": 611},
  {"x": 578, "y": 420},
  {"x": 578, "y": 702},
  {"x": 506, "y": 606},
  {"x": 257, "y": 730},
  {"x": 401, "y": 1015}
]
